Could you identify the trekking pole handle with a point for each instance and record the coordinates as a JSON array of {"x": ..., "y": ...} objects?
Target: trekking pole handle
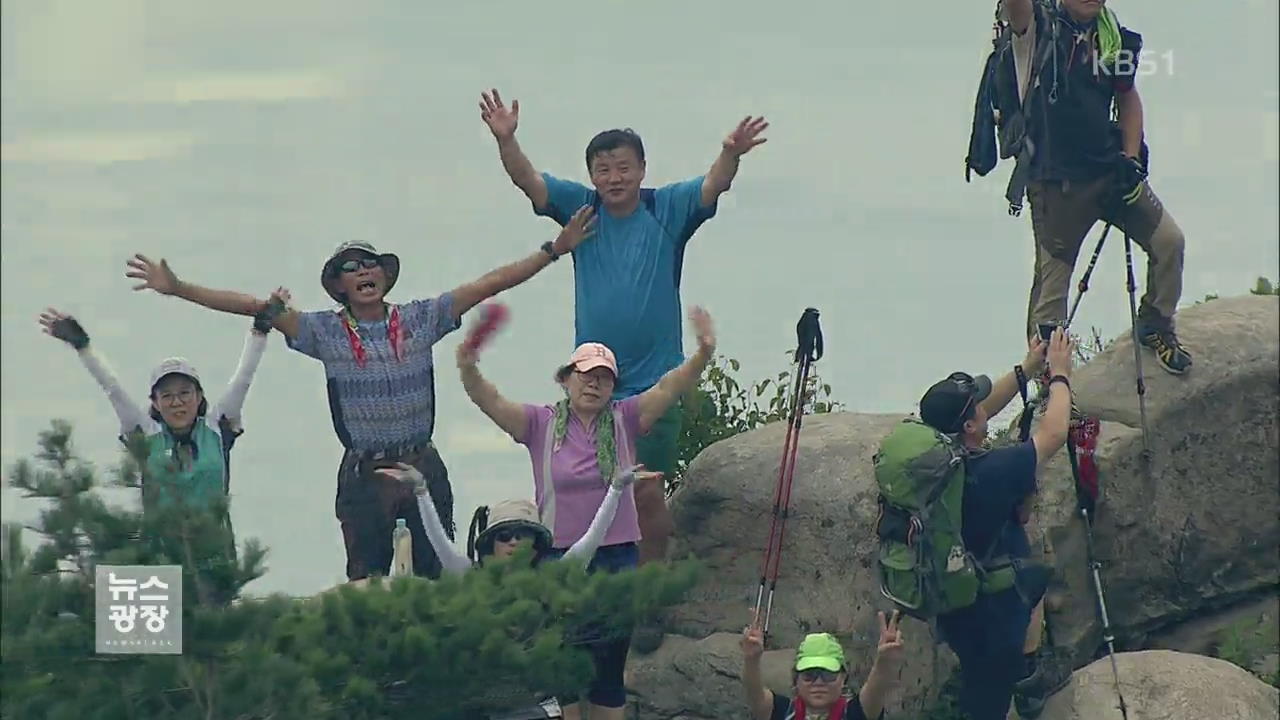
[{"x": 808, "y": 336}]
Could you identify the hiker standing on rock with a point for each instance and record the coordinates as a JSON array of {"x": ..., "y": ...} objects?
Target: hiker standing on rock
[
  {"x": 574, "y": 445},
  {"x": 188, "y": 439},
  {"x": 819, "y": 676},
  {"x": 1083, "y": 167},
  {"x": 379, "y": 378},
  {"x": 997, "y": 638},
  {"x": 627, "y": 279}
]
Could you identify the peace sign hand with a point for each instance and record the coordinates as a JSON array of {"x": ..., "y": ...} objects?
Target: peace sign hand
[
  {"x": 743, "y": 138},
  {"x": 502, "y": 121},
  {"x": 890, "y": 648}
]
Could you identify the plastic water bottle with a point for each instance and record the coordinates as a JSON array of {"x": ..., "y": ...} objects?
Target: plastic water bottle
[{"x": 402, "y": 548}]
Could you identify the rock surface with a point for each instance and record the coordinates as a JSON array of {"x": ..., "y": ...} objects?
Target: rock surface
[
  {"x": 1194, "y": 530},
  {"x": 1164, "y": 685}
]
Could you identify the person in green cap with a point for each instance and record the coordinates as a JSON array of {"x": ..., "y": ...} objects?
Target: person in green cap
[{"x": 819, "y": 676}]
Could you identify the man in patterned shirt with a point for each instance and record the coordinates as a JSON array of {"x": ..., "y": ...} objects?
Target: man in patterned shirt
[{"x": 380, "y": 381}]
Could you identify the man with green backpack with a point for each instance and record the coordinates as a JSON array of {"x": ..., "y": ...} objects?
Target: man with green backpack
[{"x": 952, "y": 545}]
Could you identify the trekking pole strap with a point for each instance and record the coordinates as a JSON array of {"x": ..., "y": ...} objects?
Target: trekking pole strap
[
  {"x": 808, "y": 337},
  {"x": 1024, "y": 418}
]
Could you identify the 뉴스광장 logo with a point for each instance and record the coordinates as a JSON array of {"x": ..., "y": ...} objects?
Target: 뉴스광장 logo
[{"x": 138, "y": 609}]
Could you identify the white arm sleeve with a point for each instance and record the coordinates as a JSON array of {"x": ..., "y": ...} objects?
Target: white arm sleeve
[
  {"x": 131, "y": 416},
  {"x": 232, "y": 401},
  {"x": 1024, "y": 48},
  {"x": 586, "y": 546},
  {"x": 450, "y": 559}
]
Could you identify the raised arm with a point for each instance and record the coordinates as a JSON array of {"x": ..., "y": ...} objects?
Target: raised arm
[
  {"x": 885, "y": 668},
  {"x": 67, "y": 329},
  {"x": 232, "y": 402},
  {"x": 1004, "y": 389},
  {"x": 505, "y": 414},
  {"x": 502, "y": 122},
  {"x": 1051, "y": 435},
  {"x": 759, "y": 698},
  {"x": 585, "y": 547},
  {"x": 161, "y": 278},
  {"x": 467, "y": 296},
  {"x": 451, "y": 560},
  {"x": 738, "y": 143},
  {"x": 655, "y": 401}
]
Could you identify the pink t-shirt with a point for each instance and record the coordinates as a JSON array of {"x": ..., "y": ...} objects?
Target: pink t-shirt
[{"x": 569, "y": 501}]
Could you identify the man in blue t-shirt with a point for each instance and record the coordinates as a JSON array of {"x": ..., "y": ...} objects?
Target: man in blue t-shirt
[
  {"x": 627, "y": 278},
  {"x": 997, "y": 638}
]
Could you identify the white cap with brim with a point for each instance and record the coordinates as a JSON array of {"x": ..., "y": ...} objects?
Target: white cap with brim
[
  {"x": 511, "y": 514},
  {"x": 174, "y": 366}
]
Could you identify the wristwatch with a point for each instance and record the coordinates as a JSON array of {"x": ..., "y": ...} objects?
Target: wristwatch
[{"x": 550, "y": 250}]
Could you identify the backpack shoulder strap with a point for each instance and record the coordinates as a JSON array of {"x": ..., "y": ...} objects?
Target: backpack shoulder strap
[{"x": 548, "y": 515}]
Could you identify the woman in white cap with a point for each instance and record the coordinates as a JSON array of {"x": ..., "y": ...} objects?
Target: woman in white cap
[
  {"x": 574, "y": 445},
  {"x": 188, "y": 439},
  {"x": 500, "y": 530}
]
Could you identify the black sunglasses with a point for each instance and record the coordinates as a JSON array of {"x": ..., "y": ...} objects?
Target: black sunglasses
[
  {"x": 818, "y": 675},
  {"x": 355, "y": 264},
  {"x": 506, "y": 536}
]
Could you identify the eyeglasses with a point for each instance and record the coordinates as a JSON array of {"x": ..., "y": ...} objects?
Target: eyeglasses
[
  {"x": 506, "y": 536},
  {"x": 818, "y": 675},
  {"x": 355, "y": 264}
]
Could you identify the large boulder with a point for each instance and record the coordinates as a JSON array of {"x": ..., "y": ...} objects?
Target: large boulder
[
  {"x": 1164, "y": 685},
  {"x": 1194, "y": 529}
]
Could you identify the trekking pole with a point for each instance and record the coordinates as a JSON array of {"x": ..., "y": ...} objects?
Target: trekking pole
[
  {"x": 1137, "y": 347},
  {"x": 1083, "y": 286},
  {"x": 1086, "y": 504},
  {"x": 808, "y": 350}
]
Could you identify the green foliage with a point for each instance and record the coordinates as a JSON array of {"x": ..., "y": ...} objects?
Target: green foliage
[
  {"x": 498, "y": 636},
  {"x": 945, "y": 706},
  {"x": 721, "y": 407},
  {"x": 1265, "y": 287},
  {"x": 1248, "y": 641}
]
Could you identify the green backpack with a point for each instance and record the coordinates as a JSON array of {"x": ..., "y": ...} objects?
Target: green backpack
[{"x": 924, "y": 566}]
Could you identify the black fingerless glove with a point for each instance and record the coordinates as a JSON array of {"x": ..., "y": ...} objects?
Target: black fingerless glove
[
  {"x": 264, "y": 319},
  {"x": 69, "y": 331},
  {"x": 1129, "y": 178}
]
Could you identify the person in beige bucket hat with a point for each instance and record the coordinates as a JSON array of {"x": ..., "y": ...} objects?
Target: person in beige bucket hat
[{"x": 367, "y": 338}]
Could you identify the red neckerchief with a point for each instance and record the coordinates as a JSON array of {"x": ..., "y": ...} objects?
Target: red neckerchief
[
  {"x": 837, "y": 710},
  {"x": 394, "y": 335}
]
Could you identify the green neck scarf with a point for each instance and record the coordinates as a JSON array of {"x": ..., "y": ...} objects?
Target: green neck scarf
[
  {"x": 1108, "y": 36},
  {"x": 606, "y": 450}
]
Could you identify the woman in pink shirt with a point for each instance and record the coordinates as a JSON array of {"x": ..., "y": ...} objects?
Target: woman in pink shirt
[{"x": 574, "y": 446}]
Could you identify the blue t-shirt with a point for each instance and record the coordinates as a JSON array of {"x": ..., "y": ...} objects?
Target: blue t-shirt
[
  {"x": 627, "y": 275},
  {"x": 999, "y": 481}
]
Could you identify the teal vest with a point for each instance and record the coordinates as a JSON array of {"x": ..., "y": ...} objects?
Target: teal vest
[{"x": 172, "y": 469}]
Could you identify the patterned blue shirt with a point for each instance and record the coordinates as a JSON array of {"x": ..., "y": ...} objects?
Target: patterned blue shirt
[{"x": 387, "y": 403}]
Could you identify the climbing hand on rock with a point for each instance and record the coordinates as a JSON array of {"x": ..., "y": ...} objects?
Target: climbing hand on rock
[
  {"x": 405, "y": 473},
  {"x": 64, "y": 327}
]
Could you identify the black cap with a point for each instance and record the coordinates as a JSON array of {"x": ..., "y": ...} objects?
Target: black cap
[{"x": 946, "y": 405}]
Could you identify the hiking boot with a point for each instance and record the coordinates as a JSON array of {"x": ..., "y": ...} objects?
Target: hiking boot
[
  {"x": 1050, "y": 674},
  {"x": 1164, "y": 342}
]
